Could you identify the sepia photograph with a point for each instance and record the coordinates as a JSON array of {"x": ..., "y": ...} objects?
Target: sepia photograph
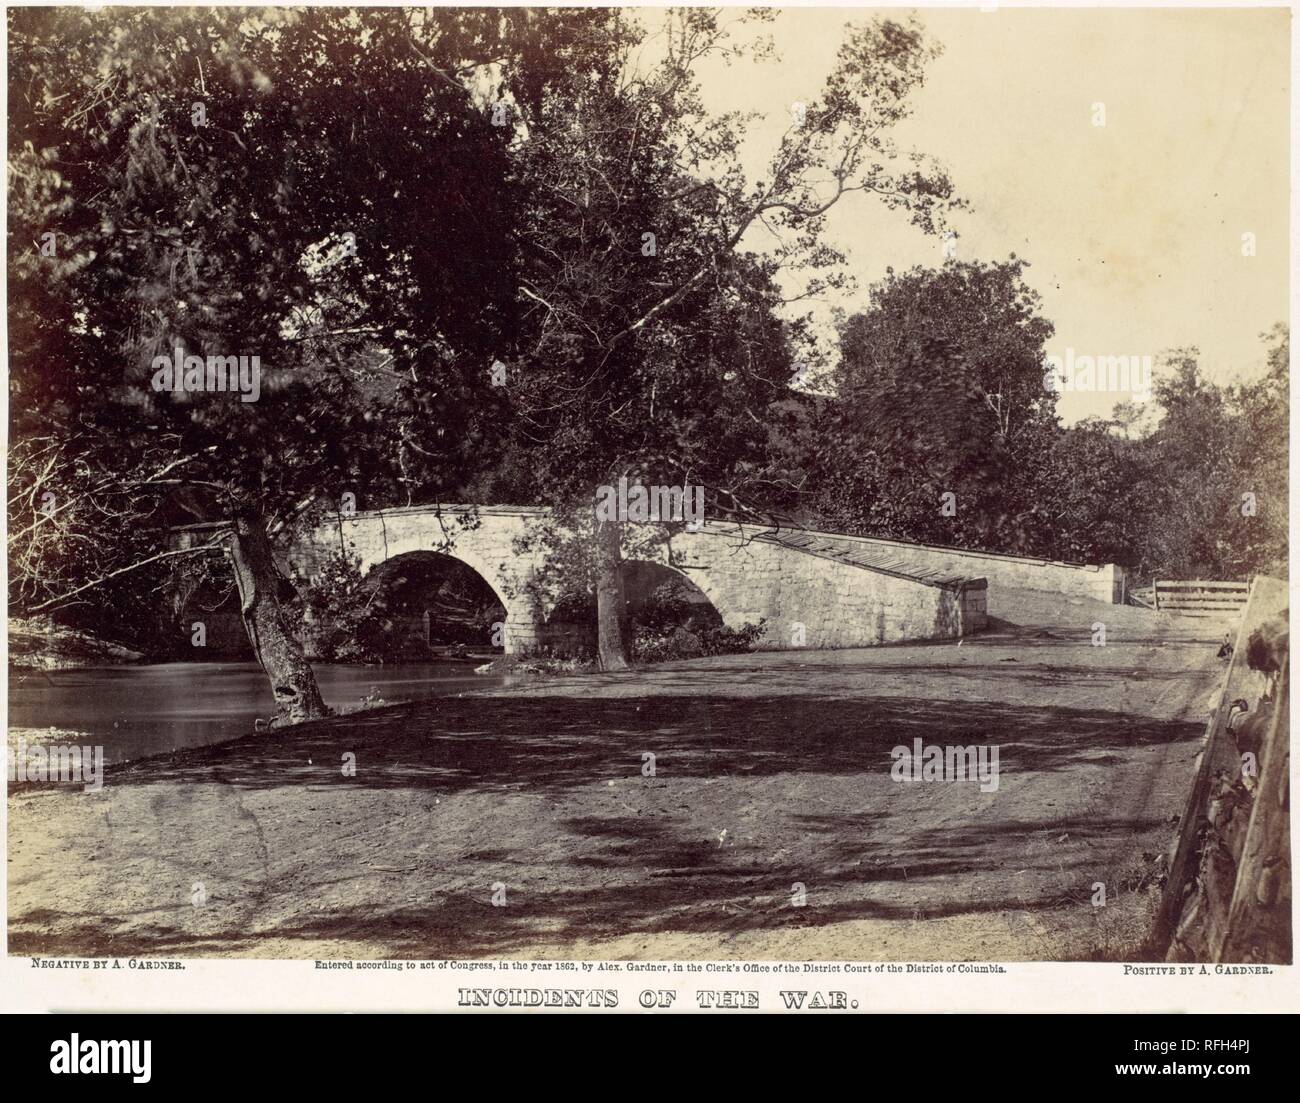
[{"x": 604, "y": 490}]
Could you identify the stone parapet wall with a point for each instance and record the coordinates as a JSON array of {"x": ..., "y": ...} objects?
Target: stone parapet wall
[
  {"x": 834, "y": 591},
  {"x": 1103, "y": 582},
  {"x": 817, "y": 600}
]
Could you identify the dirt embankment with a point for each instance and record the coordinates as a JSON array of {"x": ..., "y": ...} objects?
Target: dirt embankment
[{"x": 37, "y": 643}]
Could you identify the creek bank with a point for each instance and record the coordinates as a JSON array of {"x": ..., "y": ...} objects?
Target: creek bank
[{"x": 38, "y": 643}]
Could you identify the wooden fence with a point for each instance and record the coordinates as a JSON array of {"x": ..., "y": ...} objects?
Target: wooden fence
[
  {"x": 1228, "y": 895},
  {"x": 1193, "y": 597}
]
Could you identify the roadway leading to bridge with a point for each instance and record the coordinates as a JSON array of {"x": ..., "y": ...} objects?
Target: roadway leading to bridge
[{"x": 772, "y": 770}]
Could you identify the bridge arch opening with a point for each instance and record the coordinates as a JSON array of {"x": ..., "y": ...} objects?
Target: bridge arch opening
[
  {"x": 413, "y": 606},
  {"x": 204, "y": 621},
  {"x": 669, "y": 615},
  {"x": 656, "y": 595}
]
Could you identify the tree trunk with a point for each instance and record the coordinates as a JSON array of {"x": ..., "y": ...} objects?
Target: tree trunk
[
  {"x": 612, "y": 634},
  {"x": 277, "y": 648}
]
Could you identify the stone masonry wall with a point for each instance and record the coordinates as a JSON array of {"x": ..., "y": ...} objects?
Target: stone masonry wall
[
  {"x": 825, "y": 601},
  {"x": 1104, "y": 583},
  {"x": 816, "y": 602},
  {"x": 806, "y": 600},
  {"x": 488, "y": 547}
]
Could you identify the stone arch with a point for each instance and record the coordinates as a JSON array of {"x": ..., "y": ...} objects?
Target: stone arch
[
  {"x": 713, "y": 579},
  {"x": 671, "y": 611},
  {"x": 439, "y": 597},
  {"x": 643, "y": 577},
  {"x": 205, "y": 620},
  {"x": 381, "y": 542}
]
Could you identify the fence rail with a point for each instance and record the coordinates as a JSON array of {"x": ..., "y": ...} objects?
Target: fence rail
[
  {"x": 1227, "y": 897},
  {"x": 1207, "y": 596}
]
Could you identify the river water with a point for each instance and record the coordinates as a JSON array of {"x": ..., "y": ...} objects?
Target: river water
[{"x": 133, "y": 711}]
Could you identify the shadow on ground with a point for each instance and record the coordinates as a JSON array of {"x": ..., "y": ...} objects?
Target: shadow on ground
[
  {"x": 546, "y": 796},
  {"x": 772, "y": 778},
  {"x": 644, "y": 880},
  {"x": 552, "y": 743}
]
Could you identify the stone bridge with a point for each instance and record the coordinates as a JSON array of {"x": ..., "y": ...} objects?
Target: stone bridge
[{"x": 812, "y": 589}]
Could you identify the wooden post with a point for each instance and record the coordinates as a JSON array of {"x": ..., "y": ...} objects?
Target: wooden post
[
  {"x": 1257, "y": 927},
  {"x": 1266, "y": 598},
  {"x": 1180, "y": 868}
]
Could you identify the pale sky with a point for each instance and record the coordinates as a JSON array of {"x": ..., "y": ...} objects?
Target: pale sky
[{"x": 1133, "y": 230}]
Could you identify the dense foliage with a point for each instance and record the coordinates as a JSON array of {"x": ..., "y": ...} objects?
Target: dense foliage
[
  {"x": 941, "y": 389},
  {"x": 493, "y": 256}
]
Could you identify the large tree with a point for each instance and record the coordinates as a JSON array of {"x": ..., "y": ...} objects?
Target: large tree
[
  {"x": 939, "y": 391},
  {"x": 320, "y": 188},
  {"x": 1215, "y": 503},
  {"x": 651, "y": 343},
  {"x": 387, "y": 208}
]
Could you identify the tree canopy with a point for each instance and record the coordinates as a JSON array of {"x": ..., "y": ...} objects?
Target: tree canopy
[{"x": 498, "y": 256}]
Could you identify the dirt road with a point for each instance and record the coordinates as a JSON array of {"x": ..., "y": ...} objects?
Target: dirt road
[{"x": 770, "y": 826}]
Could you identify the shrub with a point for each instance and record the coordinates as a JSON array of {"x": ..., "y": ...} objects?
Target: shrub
[
  {"x": 693, "y": 641},
  {"x": 349, "y": 622}
]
